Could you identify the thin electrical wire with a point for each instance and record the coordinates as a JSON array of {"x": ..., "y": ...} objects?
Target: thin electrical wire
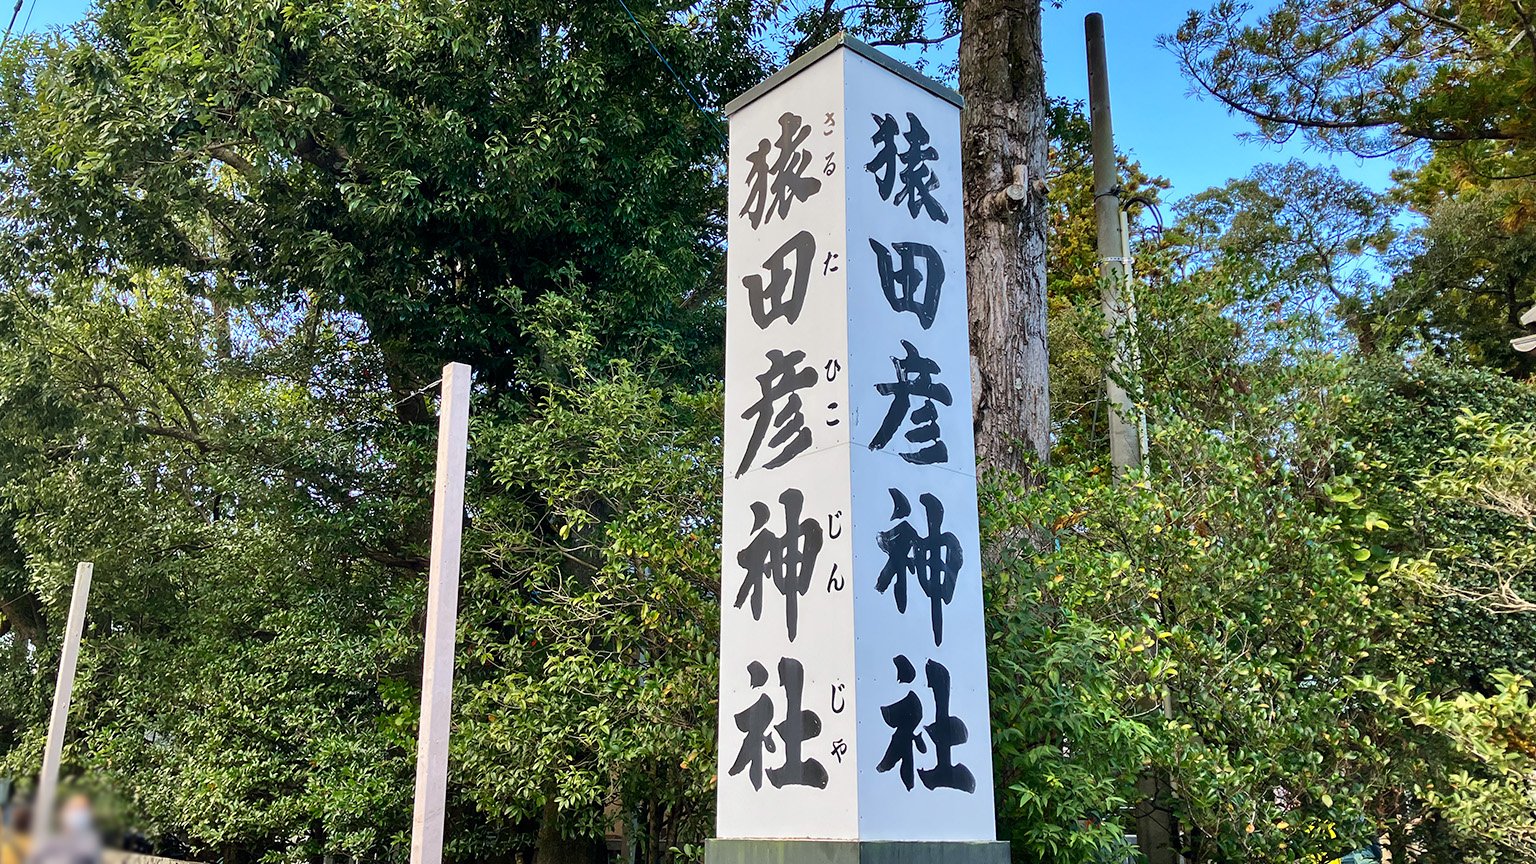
[
  {"x": 687, "y": 91},
  {"x": 28, "y": 22},
  {"x": 15, "y": 13},
  {"x": 1151, "y": 205},
  {"x": 262, "y": 469}
]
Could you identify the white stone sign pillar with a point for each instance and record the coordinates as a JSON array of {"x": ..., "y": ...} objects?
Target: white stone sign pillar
[{"x": 853, "y": 678}]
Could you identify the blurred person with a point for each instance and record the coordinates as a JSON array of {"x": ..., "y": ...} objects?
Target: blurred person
[
  {"x": 14, "y": 837},
  {"x": 76, "y": 840}
]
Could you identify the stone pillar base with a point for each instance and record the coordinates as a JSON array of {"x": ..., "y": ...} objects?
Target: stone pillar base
[{"x": 854, "y": 852}]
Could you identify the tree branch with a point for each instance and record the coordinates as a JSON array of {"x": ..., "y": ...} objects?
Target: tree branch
[
  {"x": 918, "y": 40},
  {"x": 228, "y": 156}
]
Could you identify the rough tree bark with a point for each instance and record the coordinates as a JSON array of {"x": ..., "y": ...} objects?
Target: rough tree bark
[
  {"x": 22, "y": 614},
  {"x": 1002, "y": 78}
]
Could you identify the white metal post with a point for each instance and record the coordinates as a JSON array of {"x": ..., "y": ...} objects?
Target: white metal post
[
  {"x": 442, "y": 612},
  {"x": 63, "y": 690}
]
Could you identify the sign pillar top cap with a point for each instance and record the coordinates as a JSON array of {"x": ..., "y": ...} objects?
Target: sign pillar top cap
[
  {"x": 853, "y": 689},
  {"x": 863, "y": 49}
]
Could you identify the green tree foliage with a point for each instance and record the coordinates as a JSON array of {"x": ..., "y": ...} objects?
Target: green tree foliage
[
  {"x": 231, "y": 690},
  {"x": 433, "y": 169},
  {"x": 1369, "y": 76},
  {"x": 1468, "y": 275},
  {"x": 1366, "y": 569},
  {"x": 1450, "y": 80},
  {"x": 1450, "y": 770},
  {"x": 242, "y": 237},
  {"x": 590, "y": 625},
  {"x": 1411, "y": 423},
  {"x": 1300, "y": 239},
  {"x": 1289, "y": 613},
  {"x": 1477, "y": 759},
  {"x": 1246, "y": 630},
  {"x": 1471, "y": 744}
]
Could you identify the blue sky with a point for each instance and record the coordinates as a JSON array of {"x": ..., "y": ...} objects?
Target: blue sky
[
  {"x": 1174, "y": 133},
  {"x": 1191, "y": 141},
  {"x": 43, "y": 13}
]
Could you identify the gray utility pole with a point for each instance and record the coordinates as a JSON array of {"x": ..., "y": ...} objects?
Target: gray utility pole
[
  {"x": 63, "y": 690},
  {"x": 1127, "y": 423},
  {"x": 1156, "y": 831}
]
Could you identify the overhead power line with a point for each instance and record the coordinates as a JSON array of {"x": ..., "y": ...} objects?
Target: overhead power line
[
  {"x": 688, "y": 91},
  {"x": 14, "y": 13},
  {"x": 267, "y": 470}
]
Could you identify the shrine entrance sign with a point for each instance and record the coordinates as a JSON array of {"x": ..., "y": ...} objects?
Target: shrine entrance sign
[{"x": 853, "y": 680}]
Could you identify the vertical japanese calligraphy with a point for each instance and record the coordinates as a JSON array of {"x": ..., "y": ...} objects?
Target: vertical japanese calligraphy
[
  {"x": 914, "y": 379},
  {"x": 787, "y": 731},
  {"x": 777, "y": 175},
  {"x": 908, "y": 287},
  {"x": 922, "y": 673},
  {"x": 932, "y": 556},
  {"x": 779, "y": 406},
  {"x": 908, "y": 166},
  {"x": 782, "y": 295},
  {"x": 853, "y": 671},
  {"x": 943, "y": 734},
  {"x": 797, "y": 726},
  {"x": 786, "y": 560}
]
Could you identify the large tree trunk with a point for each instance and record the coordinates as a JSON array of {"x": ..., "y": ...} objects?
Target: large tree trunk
[
  {"x": 1156, "y": 829},
  {"x": 556, "y": 848},
  {"x": 22, "y": 614},
  {"x": 1002, "y": 77}
]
